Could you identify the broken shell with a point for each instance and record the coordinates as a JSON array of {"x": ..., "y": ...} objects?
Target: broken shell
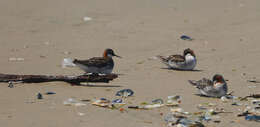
[
  {"x": 157, "y": 101},
  {"x": 172, "y": 118},
  {"x": 178, "y": 111},
  {"x": 153, "y": 106},
  {"x": 102, "y": 102},
  {"x": 125, "y": 93},
  {"x": 117, "y": 101},
  {"x": 252, "y": 118},
  {"x": 174, "y": 100}
]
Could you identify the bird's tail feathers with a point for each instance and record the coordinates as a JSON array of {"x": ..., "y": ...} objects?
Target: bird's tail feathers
[
  {"x": 192, "y": 82},
  {"x": 162, "y": 58}
]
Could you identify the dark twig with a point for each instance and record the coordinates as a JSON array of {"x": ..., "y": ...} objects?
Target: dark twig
[{"x": 49, "y": 78}]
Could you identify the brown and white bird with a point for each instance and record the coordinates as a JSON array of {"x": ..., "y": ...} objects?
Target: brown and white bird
[
  {"x": 187, "y": 61},
  {"x": 101, "y": 65},
  {"x": 217, "y": 87}
]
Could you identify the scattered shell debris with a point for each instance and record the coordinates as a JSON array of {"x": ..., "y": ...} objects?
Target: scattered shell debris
[
  {"x": 102, "y": 102},
  {"x": 125, "y": 93},
  {"x": 174, "y": 100},
  {"x": 177, "y": 116}
]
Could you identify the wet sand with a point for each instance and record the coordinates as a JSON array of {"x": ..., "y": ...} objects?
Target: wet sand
[{"x": 226, "y": 41}]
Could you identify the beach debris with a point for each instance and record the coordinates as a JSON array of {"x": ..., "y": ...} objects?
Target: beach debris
[
  {"x": 125, "y": 93},
  {"x": 181, "y": 121},
  {"x": 244, "y": 114},
  {"x": 157, "y": 101},
  {"x": 185, "y": 37},
  {"x": 174, "y": 100},
  {"x": 16, "y": 59},
  {"x": 117, "y": 103},
  {"x": 85, "y": 100},
  {"x": 253, "y": 118},
  {"x": 224, "y": 99},
  {"x": 39, "y": 96},
  {"x": 67, "y": 62},
  {"x": 81, "y": 114},
  {"x": 102, "y": 102},
  {"x": 10, "y": 84},
  {"x": 50, "y": 93},
  {"x": 87, "y": 18},
  {"x": 253, "y": 81},
  {"x": 172, "y": 119},
  {"x": 72, "y": 79},
  {"x": 154, "y": 104},
  {"x": 151, "y": 106},
  {"x": 122, "y": 110},
  {"x": 134, "y": 107},
  {"x": 179, "y": 111},
  {"x": 73, "y": 102},
  {"x": 250, "y": 96},
  {"x": 236, "y": 104},
  {"x": 255, "y": 102}
]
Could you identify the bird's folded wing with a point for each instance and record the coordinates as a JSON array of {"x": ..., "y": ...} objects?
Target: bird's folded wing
[
  {"x": 202, "y": 84},
  {"x": 95, "y": 61},
  {"x": 176, "y": 58}
]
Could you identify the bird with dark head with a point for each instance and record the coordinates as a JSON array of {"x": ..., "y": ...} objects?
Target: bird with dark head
[
  {"x": 187, "y": 61},
  {"x": 109, "y": 53},
  {"x": 102, "y": 65},
  {"x": 217, "y": 87},
  {"x": 188, "y": 51}
]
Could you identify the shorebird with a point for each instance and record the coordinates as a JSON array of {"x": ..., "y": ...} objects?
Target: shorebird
[
  {"x": 217, "y": 87},
  {"x": 187, "y": 61},
  {"x": 101, "y": 65}
]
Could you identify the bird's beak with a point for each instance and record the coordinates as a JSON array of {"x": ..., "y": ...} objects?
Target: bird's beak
[{"x": 117, "y": 56}]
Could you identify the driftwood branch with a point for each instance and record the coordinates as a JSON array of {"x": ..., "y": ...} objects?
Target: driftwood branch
[{"x": 50, "y": 78}]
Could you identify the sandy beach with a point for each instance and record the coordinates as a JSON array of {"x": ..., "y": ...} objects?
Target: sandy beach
[{"x": 43, "y": 33}]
